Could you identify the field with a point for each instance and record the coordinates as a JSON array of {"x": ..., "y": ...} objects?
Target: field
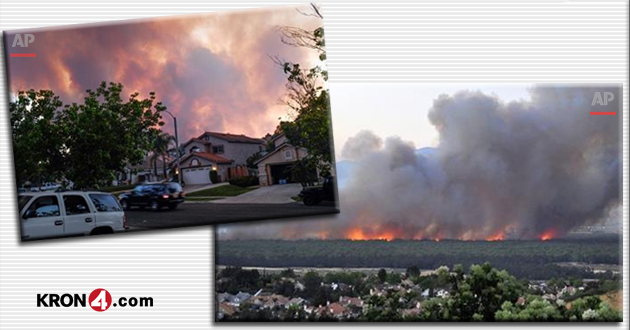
[{"x": 524, "y": 259}]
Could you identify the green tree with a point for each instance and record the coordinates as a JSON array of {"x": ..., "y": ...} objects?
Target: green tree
[
  {"x": 38, "y": 144},
  {"x": 85, "y": 143},
  {"x": 251, "y": 160},
  {"x": 491, "y": 287},
  {"x": 105, "y": 134},
  {"x": 161, "y": 147},
  {"x": 382, "y": 275},
  {"x": 383, "y": 308},
  {"x": 413, "y": 271},
  {"x": 312, "y": 282}
]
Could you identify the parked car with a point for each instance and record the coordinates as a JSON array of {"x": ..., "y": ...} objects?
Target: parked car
[
  {"x": 315, "y": 195},
  {"x": 154, "y": 196},
  {"x": 69, "y": 213},
  {"x": 49, "y": 186}
]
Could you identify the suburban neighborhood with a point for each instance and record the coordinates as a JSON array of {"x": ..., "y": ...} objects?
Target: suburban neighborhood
[
  {"x": 189, "y": 148},
  {"x": 311, "y": 294},
  {"x": 225, "y": 177}
]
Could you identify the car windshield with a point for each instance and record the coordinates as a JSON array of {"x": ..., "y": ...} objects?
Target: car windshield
[{"x": 22, "y": 200}]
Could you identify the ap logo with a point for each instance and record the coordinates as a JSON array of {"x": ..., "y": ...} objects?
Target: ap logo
[
  {"x": 597, "y": 99},
  {"x": 28, "y": 39}
]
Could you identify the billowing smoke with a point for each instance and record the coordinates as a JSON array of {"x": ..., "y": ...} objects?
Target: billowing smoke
[
  {"x": 211, "y": 70},
  {"x": 520, "y": 170},
  {"x": 360, "y": 145}
]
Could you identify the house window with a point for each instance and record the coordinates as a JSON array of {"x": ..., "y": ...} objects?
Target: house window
[
  {"x": 194, "y": 162},
  {"x": 218, "y": 149},
  {"x": 288, "y": 155},
  {"x": 194, "y": 149}
]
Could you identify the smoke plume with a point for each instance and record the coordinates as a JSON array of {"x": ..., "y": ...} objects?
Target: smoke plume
[{"x": 530, "y": 169}]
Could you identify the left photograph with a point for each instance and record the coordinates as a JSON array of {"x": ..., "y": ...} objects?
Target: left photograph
[{"x": 170, "y": 122}]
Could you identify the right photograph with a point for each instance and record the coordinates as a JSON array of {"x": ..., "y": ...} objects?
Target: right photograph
[{"x": 460, "y": 203}]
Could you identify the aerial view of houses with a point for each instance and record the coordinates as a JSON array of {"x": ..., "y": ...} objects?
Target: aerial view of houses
[{"x": 481, "y": 294}]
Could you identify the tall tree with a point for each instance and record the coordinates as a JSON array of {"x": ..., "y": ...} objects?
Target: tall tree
[
  {"x": 308, "y": 98},
  {"x": 105, "y": 133},
  {"x": 161, "y": 147}
]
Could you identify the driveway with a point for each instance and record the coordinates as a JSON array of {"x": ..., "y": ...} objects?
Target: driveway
[{"x": 276, "y": 194}]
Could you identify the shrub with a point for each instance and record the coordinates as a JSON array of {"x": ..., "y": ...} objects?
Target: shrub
[
  {"x": 245, "y": 181},
  {"x": 214, "y": 176}
]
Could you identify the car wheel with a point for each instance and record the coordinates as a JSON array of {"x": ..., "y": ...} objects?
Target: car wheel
[
  {"x": 124, "y": 204},
  {"x": 309, "y": 200},
  {"x": 172, "y": 206},
  {"x": 155, "y": 206}
]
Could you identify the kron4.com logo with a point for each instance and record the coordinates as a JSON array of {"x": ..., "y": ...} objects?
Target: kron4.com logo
[{"x": 99, "y": 300}]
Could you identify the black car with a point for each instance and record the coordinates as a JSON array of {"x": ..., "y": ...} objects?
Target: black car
[
  {"x": 315, "y": 195},
  {"x": 154, "y": 195}
]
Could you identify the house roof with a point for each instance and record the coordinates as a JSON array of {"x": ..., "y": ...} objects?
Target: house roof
[
  {"x": 276, "y": 136},
  {"x": 207, "y": 156},
  {"x": 240, "y": 138},
  {"x": 336, "y": 309},
  {"x": 276, "y": 150},
  {"x": 194, "y": 140},
  {"x": 227, "y": 309}
]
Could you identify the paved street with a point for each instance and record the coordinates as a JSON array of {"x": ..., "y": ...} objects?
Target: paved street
[{"x": 196, "y": 214}]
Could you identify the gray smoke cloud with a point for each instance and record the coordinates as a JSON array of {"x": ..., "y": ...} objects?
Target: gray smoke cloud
[
  {"x": 518, "y": 170},
  {"x": 360, "y": 145}
]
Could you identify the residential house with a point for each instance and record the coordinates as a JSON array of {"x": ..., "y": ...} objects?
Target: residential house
[
  {"x": 274, "y": 166},
  {"x": 337, "y": 310},
  {"x": 233, "y": 300},
  {"x": 224, "y": 152},
  {"x": 225, "y": 310},
  {"x": 295, "y": 302}
]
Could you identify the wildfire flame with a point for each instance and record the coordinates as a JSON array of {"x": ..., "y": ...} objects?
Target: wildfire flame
[
  {"x": 357, "y": 234},
  {"x": 364, "y": 233},
  {"x": 547, "y": 235},
  {"x": 496, "y": 237}
]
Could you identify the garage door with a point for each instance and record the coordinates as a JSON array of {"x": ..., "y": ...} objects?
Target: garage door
[{"x": 197, "y": 175}]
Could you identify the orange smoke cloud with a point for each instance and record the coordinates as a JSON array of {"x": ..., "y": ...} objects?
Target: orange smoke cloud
[{"x": 212, "y": 71}]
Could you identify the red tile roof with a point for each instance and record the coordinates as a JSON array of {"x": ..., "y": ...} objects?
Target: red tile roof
[
  {"x": 208, "y": 156},
  {"x": 240, "y": 138},
  {"x": 336, "y": 309}
]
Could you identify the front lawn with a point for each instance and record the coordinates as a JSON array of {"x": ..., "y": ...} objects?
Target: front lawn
[{"x": 224, "y": 191}]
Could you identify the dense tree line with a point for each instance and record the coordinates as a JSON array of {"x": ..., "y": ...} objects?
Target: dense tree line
[{"x": 523, "y": 259}]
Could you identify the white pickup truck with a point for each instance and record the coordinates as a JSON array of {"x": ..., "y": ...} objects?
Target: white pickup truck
[{"x": 69, "y": 213}]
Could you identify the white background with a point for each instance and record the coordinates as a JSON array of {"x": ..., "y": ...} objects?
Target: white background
[{"x": 395, "y": 42}]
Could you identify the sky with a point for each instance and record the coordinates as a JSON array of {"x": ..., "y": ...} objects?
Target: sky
[
  {"x": 403, "y": 112},
  {"x": 213, "y": 71}
]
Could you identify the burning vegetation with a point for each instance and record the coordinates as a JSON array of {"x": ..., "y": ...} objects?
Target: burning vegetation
[{"x": 530, "y": 169}]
